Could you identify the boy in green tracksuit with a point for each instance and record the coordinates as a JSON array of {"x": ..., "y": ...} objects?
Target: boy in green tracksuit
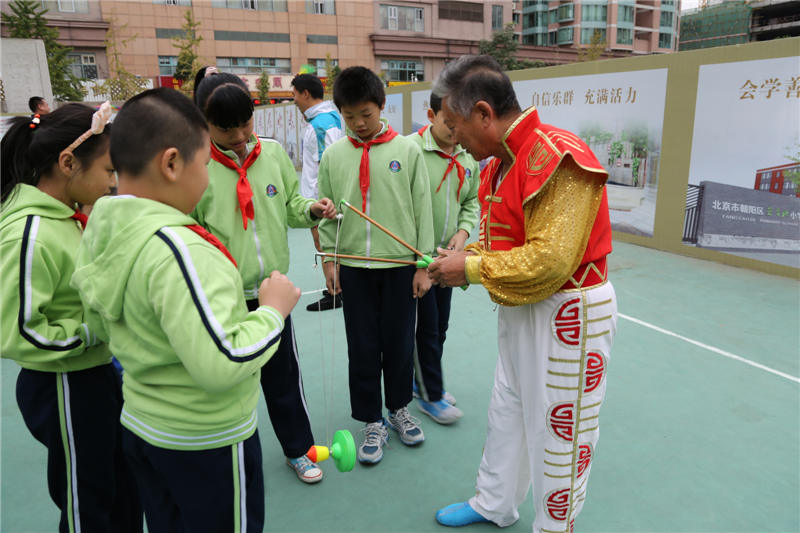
[
  {"x": 168, "y": 297},
  {"x": 252, "y": 198},
  {"x": 384, "y": 175},
  {"x": 454, "y": 179}
]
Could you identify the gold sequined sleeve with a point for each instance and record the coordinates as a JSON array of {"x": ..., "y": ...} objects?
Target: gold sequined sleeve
[{"x": 558, "y": 221}]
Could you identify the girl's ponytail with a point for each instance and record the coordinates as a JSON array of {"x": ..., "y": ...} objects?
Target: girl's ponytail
[
  {"x": 14, "y": 164},
  {"x": 30, "y": 149}
]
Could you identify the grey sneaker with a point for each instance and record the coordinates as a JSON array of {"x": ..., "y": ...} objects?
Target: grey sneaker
[
  {"x": 375, "y": 436},
  {"x": 407, "y": 427}
]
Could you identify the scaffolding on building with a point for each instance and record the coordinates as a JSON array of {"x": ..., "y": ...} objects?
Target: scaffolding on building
[{"x": 716, "y": 25}]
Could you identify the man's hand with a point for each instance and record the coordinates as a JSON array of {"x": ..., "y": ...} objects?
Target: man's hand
[
  {"x": 331, "y": 270},
  {"x": 323, "y": 208},
  {"x": 421, "y": 284},
  {"x": 447, "y": 270},
  {"x": 458, "y": 241}
]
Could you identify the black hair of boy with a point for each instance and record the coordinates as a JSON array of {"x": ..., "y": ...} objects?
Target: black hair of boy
[
  {"x": 225, "y": 100},
  {"x": 436, "y": 103},
  {"x": 26, "y": 153},
  {"x": 153, "y": 121},
  {"x": 358, "y": 85},
  {"x": 33, "y": 103},
  {"x": 310, "y": 83}
]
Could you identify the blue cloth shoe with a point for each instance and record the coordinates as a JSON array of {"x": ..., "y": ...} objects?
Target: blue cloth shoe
[{"x": 459, "y": 514}]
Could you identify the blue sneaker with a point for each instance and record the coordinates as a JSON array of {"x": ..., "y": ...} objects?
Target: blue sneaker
[
  {"x": 375, "y": 436},
  {"x": 459, "y": 514},
  {"x": 407, "y": 427},
  {"x": 441, "y": 411}
]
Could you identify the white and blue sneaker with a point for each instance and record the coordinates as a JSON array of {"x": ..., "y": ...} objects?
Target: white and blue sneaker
[
  {"x": 449, "y": 398},
  {"x": 307, "y": 471},
  {"x": 446, "y": 396},
  {"x": 407, "y": 427},
  {"x": 441, "y": 411},
  {"x": 375, "y": 436},
  {"x": 459, "y": 514}
]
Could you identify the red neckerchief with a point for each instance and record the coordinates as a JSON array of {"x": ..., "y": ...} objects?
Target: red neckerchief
[
  {"x": 453, "y": 162},
  {"x": 363, "y": 169},
  {"x": 204, "y": 233},
  {"x": 243, "y": 190},
  {"x": 80, "y": 217}
]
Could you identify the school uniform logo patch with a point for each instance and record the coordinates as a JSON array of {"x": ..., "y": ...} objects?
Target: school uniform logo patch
[
  {"x": 394, "y": 166},
  {"x": 467, "y": 173},
  {"x": 271, "y": 190}
]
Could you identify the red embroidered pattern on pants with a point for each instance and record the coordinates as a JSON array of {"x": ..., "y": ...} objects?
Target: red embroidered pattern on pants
[
  {"x": 561, "y": 420},
  {"x": 567, "y": 323},
  {"x": 557, "y": 504},
  {"x": 584, "y": 458},
  {"x": 595, "y": 370}
]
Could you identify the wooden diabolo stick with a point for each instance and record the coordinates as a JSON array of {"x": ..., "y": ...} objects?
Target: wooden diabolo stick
[
  {"x": 386, "y": 231},
  {"x": 365, "y": 258}
]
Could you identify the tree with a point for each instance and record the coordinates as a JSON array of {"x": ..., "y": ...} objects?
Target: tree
[
  {"x": 28, "y": 22},
  {"x": 331, "y": 70},
  {"x": 503, "y": 47},
  {"x": 596, "y": 47},
  {"x": 262, "y": 85},
  {"x": 121, "y": 84},
  {"x": 187, "y": 46}
]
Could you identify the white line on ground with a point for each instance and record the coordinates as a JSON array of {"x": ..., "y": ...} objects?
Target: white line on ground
[{"x": 712, "y": 348}]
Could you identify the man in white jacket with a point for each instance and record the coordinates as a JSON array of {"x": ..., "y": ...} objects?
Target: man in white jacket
[{"x": 323, "y": 128}]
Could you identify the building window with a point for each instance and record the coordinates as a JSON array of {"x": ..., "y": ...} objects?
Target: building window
[
  {"x": 320, "y": 66},
  {"x": 400, "y": 70},
  {"x": 515, "y": 18},
  {"x": 553, "y": 16},
  {"x": 566, "y": 12},
  {"x": 83, "y": 65},
  {"x": 666, "y": 19},
  {"x": 402, "y": 18},
  {"x": 66, "y": 6},
  {"x": 588, "y": 33},
  {"x": 170, "y": 33},
  {"x": 321, "y": 7},
  {"x": 593, "y": 13},
  {"x": 553, "y": 38},
  {"x": 249, "y": 36},
  {"x": 565, "y": 36},
  {"x": 624, "y": 36},
  {"x": 254, "y": 65},
  {"x": 468, "y": 11},
  {"x": 497, "y": 18},
  {"x": 173, "y": 2},
  {"x": 665, "y": 40},
  {"x": 625, "y": 14},
  {"x": 167, "y": 65},
  {"x": 256, "y": 5},
  {"x": 322, "y": 39}
]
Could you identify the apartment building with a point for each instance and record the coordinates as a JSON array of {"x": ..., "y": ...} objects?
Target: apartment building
[
  {"x": 405, "y": 40},
  {"x": 625, "y": 26}
]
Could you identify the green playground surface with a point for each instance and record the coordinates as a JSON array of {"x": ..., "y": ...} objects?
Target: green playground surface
[{"x": 700, "y": 430}]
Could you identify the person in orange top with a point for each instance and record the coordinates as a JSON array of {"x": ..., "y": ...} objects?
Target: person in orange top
[{"x": 544, "y": 237}]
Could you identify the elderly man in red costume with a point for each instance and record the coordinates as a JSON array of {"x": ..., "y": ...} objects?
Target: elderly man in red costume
[{"x": 544, "y": 238}]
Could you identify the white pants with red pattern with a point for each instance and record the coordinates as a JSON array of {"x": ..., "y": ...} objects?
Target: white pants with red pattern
[{"x": 549, "y": 385}]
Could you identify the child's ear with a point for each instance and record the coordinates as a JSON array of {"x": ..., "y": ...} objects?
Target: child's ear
[
  {"x": 171, "y": 164},
  {"x": 67, "y": 162},
  {"x": 431, "y": 114}
]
